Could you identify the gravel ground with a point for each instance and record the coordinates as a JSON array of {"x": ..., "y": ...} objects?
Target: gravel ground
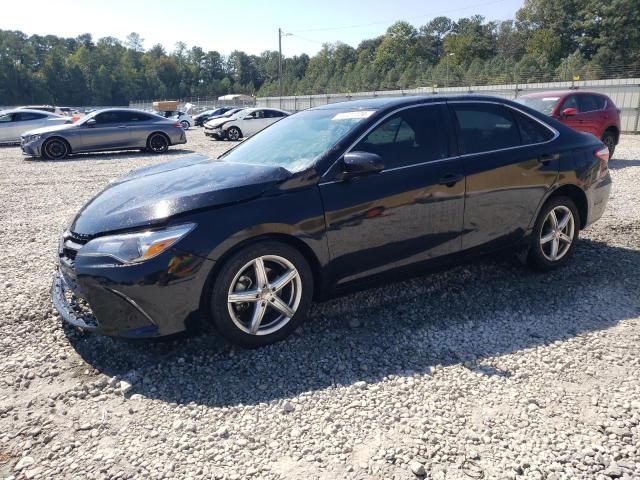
[{"x": 484, "y": 371}]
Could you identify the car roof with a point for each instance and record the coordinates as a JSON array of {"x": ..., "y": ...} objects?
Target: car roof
[
  {"x": 558, "y": 93},
  {"x": 31, "y": 110},
  {"x": 389, "y": 103}
]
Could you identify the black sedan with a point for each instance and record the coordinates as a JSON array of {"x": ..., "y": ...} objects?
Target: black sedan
[
  {"x": 203, "y": 117},
  {"x": 322, "y": 202}
]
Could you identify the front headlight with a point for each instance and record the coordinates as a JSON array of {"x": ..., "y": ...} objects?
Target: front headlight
[
  {"x": 31, "y": 138},
  {"x": 135, "y": 247}
]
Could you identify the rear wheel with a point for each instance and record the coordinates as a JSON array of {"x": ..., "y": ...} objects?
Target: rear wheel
[
  {"x": 55, "y": 149},
  {"x": 157, "y": 143},
  {"x": 609, "y": 139},
  {"x": 261, "y": 294},
  {"x": 554, "y": 235},
  {"x": 185, "y": 124},
  {"x": 234, "y": 134}
]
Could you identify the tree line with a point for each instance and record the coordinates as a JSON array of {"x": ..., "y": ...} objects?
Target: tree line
[{"x": 548, "y": 40}]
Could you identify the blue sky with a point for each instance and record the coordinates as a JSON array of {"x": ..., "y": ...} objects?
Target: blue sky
[{"x": 248, "y": 25}]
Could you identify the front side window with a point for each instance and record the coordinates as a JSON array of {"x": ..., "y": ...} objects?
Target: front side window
[
  {"x": 107, "y": 117},
  {"x": 413, "y": 136},
  {"x": 486, "y": 127},
  {"x": 570, "y": 102},
  {"x": 133, "y": 117}
]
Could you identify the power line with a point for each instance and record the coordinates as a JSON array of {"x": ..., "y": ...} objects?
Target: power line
[{"x": 382, "y": 22}]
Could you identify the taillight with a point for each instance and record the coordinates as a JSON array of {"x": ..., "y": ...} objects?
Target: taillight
[{"x": 603, "y": 156}]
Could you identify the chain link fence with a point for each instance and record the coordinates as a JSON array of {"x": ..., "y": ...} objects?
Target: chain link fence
[
  {"x": 625, "y": 93},
  {"x": 200, "y": 103}
]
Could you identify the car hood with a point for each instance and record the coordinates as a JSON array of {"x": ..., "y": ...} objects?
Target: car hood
[
  {"x": 214, "y": 122},
  {"x": 52, "y": 128},
  {"x": 150, "y": 195}
]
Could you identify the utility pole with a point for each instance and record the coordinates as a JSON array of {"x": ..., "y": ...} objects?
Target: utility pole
[{"x": 280, "y": 35}]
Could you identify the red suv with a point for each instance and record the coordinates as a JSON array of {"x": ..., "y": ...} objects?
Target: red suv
[{"x": 584, "y": 111}]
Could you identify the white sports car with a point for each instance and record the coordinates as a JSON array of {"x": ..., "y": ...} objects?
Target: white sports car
[{"x": 14, "y": 123}]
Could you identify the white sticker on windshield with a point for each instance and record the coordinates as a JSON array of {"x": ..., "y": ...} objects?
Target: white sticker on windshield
[
  {"x": 550, "y": 99},
  {"x": 351, "y": 115}
]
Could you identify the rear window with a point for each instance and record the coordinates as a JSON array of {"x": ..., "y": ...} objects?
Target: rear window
[{"x": 486, "y": 127}]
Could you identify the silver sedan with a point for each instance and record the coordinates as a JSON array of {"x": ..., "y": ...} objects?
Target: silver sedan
[
  {"x": 110, "y": 129},
  {"x": 14, "y": 123}
]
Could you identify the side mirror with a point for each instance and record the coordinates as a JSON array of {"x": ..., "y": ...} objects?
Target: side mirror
[
  {"x": 91, "y": 122},
  {"x": 568, "y": 112},
  {"x": 359, "y": 164}
]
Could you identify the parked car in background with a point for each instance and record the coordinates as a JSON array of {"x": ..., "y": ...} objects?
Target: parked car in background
[
  {"x": 13, "y": 123},
  {"x": 43, "y": 108},
  {"x": 201, "y": 118},
  {"x": 589, "y": 112},
  {"x": 109, "y": 129},
  {"x": 183, "y": 118},
  {"x": 244, "y": 124},
  {"x": 321, "y": 202},
  {"x": 211, "y": 125}
]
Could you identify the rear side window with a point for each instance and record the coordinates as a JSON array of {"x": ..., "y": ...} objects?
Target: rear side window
[
  {"x": 274, "y": 114},
  {"x": 413, "y": 136},
  {"x": 532, "y": 131},
  {"x": 26, "y": 116},
  {"x": 6, "y": 117},
  {"x": 108, "y": 117},
  {"x": 486, "y": 127}
]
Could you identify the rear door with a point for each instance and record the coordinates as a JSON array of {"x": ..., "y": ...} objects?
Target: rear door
[
  {"x": 110, "y": 131},
  {"x": 510, "y": 163},
  {"x": 272, "y": 116},
  {"x": 410, "y": 212},
  {"x": 139, "y": 126},
  {"x": 591, "y": 113}
]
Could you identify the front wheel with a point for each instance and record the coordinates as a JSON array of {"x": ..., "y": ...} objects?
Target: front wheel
[
  {"x": 554, "y": 235},
  {"x": 55, "y": 149},
  {"x": 261, "y": 294},
  {"x": 234, "y": 134}
]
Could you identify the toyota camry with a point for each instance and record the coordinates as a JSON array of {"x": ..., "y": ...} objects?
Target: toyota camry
[{"x": 321, "y": 202}]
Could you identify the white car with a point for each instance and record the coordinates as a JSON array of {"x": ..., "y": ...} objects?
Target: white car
[
  {"x": 182, "y": 117},
  {"x": 13, "y": 123},
  {"x": 245, "y": 123}
]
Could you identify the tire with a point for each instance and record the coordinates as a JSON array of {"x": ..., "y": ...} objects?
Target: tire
[
  {"x": 609, "y": 139},
  {"x": 259, "y": 321},
  {"x": 55, "y": 149},
  {"x": 185, "y": 125},
  {"x": 157, "y": 143},
  {"x": 234, "y": 134},
  {"x": 546, "y": 237}
]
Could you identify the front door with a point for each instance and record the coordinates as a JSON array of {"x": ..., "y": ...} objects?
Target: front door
[
  {"x": 110, "y": 131},
  {"x": 410, "y": 212},
  {"x": 510, "y": 162}
]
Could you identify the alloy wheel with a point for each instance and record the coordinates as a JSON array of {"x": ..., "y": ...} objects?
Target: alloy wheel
[
  {"x": 234, "y": 134},
  {"x": 557, "y": 233},
  {"x": 158, "y": 144},
  {"x": 55, "y": 149},
  {"x": 264, "y": 295}
]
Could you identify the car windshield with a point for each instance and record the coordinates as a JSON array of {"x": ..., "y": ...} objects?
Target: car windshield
[
  {"x": 295, "y": 142},
  {"x": 541, "y": 104}
]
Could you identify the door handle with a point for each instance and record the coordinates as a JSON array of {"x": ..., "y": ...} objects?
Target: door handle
[
  {"x": 545, "y": 159},
  {"x": 450, "y": 179},
  {"x": 122, "y": 126}
]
